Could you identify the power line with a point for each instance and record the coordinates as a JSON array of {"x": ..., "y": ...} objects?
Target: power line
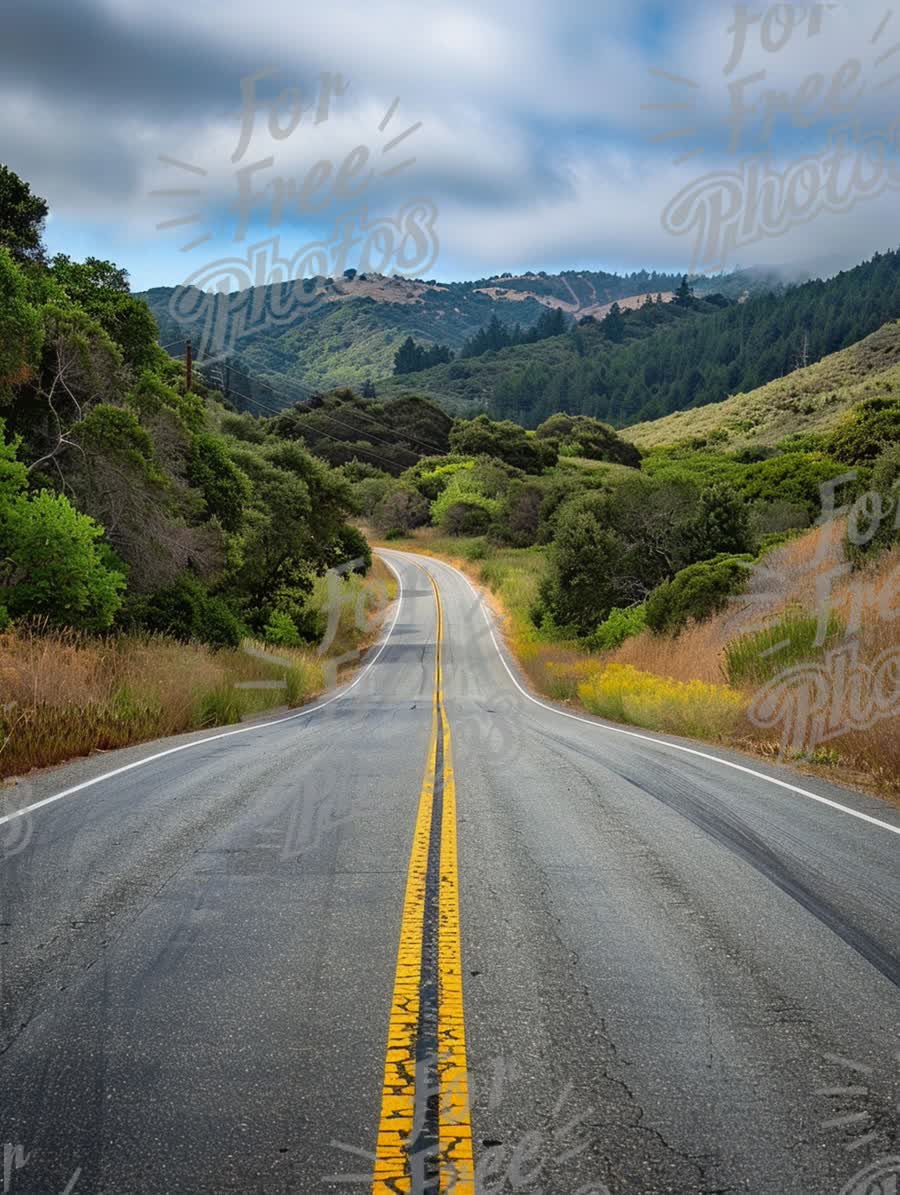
[
  {"x": 343, "y": 443},
  {"x": 433, "y": 449}
]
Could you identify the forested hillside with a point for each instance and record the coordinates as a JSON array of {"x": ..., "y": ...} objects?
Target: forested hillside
[
  {"x": 347, "y": 330},
  {"x": 670, "y": 358}
]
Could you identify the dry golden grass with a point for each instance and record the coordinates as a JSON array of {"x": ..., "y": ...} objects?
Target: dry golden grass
[{"x": 65, "y": 695}]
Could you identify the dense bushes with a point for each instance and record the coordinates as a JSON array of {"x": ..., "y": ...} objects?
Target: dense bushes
[
  {"x": 867, "y": 431},
  {"x": 874, "y": 522},
  {"x": 506, "y": 441},
  {"x": 586, "y": 574},
  {"x": 619, "y": 625},
  {"x": 399, "y": 512},
  {"x": 53, "y": 564},
  {"x": 188, "y": 612},
  {"x": 579, "y": 435},
  {"x": 696, "y": 592}
]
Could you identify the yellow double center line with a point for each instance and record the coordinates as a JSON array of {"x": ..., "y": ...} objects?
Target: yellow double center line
[{"x": 425, "y": 1132}]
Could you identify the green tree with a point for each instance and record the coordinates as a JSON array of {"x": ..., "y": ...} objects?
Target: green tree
[
  {"x": 506, "y": 441},
  {"x": 400, "y": 511},
  {"x": 101, "y": 289},
  {"x": 684, "y": 296},
  {"x": 22, "y": 217},
  {"x": 723, "y": 522},
  {"x": 585, "y": 568},
  {"x": 614, "y": 324},
  {"x": 226, "y": 490},
  {"x": 21, "y": 329},
  {"x": 874, "y": 523}
]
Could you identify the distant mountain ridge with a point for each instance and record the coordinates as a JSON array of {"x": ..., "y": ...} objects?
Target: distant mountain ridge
[
  {"x": 350, "y": 327},
  {"x": 666, "y": 358}
]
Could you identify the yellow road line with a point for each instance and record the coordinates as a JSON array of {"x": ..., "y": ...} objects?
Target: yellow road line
[
  {"x": 397, "y": 1125},
  {"x": 455, "y": 1125}
]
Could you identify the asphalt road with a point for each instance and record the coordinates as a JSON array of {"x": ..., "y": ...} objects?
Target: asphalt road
[{"x": 607, "y": 961}]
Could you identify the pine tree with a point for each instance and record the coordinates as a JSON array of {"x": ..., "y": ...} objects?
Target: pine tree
[{"x": 684, "y": 296}]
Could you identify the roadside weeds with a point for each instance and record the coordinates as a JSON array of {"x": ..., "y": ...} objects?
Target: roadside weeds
[{"x": 67, "y": 695}]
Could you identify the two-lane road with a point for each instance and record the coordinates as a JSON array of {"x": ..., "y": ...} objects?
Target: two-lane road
[{"x": 434, "y": 908}]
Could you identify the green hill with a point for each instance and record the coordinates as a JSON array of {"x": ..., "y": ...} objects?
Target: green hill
[
  {"x": 669, "y": 359},
  {"x": 807, "y": 400}
]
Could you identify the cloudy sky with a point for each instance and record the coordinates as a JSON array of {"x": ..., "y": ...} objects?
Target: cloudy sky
[{"x": 546, "y": 135}]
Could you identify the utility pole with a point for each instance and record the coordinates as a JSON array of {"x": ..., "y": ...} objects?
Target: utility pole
[{"x": 188, "y": 365}]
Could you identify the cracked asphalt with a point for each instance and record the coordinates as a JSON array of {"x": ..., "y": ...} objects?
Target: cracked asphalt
[{"x": 678, "y": 977}]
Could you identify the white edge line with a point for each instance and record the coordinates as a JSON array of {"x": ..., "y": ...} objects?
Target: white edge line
[
  {"x": 632, "y": 734},
  {"x": 139, "y": 763}
]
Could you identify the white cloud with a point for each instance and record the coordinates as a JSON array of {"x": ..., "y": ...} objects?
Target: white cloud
[{"x": 533, "y": 140}]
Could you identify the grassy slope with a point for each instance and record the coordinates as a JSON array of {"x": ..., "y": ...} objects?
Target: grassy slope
[{"x": 808, "y": 400}]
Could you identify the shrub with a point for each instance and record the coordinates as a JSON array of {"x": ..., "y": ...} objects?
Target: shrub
[
  {"x": 585, "y": 566},
  {"x": 621, "y": 624},
  {"x": 464, "y": 490},
  {"x": 865, "y": 433},
  {"x": 874, "y": 522},
  {"x": 54, "y": 565},
  {"x": 465, "y": 518},
  {"x": 518, "y": 519},
  {"x": 757, "y": 657},
  {"x": 581, "y": 435},
  {"x": 723, "y": 523},
  {"x": 697, "y": 592},
  {"x": 282, "y": 629},
  {"x": 506, "y": 441},
  {"x": 187, "y": 611},
  {"x": 368, "y": 492}
]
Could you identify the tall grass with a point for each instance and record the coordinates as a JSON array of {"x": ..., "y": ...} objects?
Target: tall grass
[
  {"x": 755, "y": 658},
  {"x": 64, "y": 694}
]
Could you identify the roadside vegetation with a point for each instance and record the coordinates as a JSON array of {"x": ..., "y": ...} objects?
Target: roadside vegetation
[
  {"x": 67, "y": 693},
  {"x": 673, "y": 592},
  {"x": 807, "y": 400},
  {"x": 147, "y": 532}
]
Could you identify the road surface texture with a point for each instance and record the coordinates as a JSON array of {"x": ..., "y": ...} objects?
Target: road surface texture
[{"x": 437, "y": 925}]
